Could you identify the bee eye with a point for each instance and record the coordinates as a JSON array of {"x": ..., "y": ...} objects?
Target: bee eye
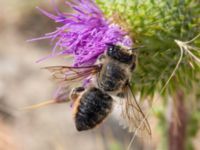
[{"x": 112, "y": 49}]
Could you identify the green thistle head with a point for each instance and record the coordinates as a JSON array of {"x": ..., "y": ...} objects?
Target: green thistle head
[{"x": 167, "y": 62}]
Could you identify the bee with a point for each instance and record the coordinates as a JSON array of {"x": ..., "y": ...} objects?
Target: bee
[
  {"x": 91, "y": 107},
  {"x": 110, "y": 76},
  {"x": 117, "y": 66}
]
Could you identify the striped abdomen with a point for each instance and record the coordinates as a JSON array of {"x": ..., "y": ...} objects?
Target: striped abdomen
[{"x": 94, "y": 106}]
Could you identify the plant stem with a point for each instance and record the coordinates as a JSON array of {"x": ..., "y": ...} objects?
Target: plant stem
[{"x": 177, "y": 126}]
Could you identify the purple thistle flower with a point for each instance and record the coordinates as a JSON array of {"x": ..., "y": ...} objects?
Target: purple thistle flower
[{"x": 84, "y": 33}]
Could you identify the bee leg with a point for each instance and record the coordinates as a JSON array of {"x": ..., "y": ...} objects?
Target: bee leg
[
  {"x": 133, "y": 65},
  {"x": 101, "y": 58},
  {"x": 75, "y": 94},
  {"x": 121, "y": 95}
]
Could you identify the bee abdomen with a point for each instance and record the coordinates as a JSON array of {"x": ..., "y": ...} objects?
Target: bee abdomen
[{"x": 94, "y": 107}]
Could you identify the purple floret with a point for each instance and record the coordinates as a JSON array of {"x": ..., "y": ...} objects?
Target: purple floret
[{"x": 83, "y": 33}]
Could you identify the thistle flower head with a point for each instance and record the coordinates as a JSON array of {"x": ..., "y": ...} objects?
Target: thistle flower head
[{"x": 84, "y": 32}]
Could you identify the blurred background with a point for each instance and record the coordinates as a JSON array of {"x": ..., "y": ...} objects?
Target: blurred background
[{"x": 23, "y": 83}]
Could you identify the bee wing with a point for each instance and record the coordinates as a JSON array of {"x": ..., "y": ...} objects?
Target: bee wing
[
  {"x": 70, "y": 74},
  {"x": 133, "y": 114},
  {"x": 68, "y": 78}
]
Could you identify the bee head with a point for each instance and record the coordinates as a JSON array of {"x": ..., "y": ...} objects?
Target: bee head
[
  {"x": 76, "y": 92},
  {"x": 121, "y": 54}
]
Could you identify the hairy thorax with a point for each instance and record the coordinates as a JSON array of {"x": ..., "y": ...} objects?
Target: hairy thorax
[{"x": 113, "y": 76}]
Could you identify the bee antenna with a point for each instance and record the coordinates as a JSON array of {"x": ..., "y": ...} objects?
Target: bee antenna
[{"x": 135, "y": 48}]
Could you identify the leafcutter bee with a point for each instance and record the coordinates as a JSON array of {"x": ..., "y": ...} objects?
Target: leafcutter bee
[
  {"x": 117, "y": 66},
  {"x": 110, "y": 76}
]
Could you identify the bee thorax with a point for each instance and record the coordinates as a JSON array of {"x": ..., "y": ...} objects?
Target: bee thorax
[{"x": 112, "y": 77}]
